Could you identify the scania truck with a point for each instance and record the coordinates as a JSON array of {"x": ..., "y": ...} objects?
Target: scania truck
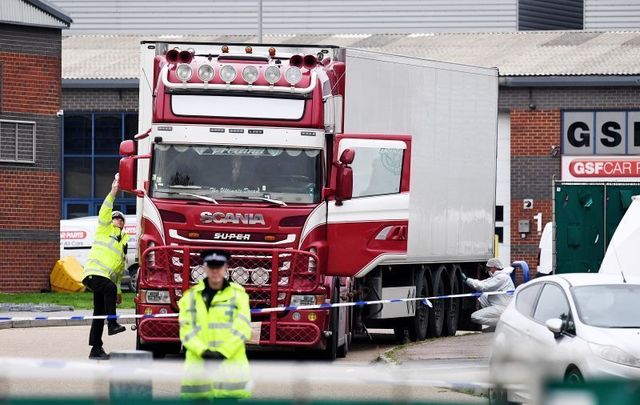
[{"x": 330, "y": 174}]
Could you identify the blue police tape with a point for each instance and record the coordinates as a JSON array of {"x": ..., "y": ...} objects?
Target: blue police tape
[{"x": 426, "y": 301}]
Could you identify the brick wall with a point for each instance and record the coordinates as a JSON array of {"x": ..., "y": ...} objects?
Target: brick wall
[
  {"x": 121, "y": 100},
  {"x": 30, "y": 197},
  {"x": 533, "y": 133}
]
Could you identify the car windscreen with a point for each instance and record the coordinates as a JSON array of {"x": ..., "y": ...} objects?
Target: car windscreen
[
  {"x": 288, "y": 175},
  {"x": 608, "y": 306}
]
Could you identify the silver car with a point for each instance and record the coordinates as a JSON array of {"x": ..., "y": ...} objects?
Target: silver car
[{"x": 572, "y": 327}]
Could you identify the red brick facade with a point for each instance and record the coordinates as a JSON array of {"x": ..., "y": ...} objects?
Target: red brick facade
[
  {"x": 30, "y": 83},
  {"x": 533, "y": 134},
  {"x": 30, "y": 200},
  {"x": 30, "y": 73}
]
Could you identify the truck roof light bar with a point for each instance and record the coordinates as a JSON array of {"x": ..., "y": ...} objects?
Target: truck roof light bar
[{"x": 242, "y": 87}]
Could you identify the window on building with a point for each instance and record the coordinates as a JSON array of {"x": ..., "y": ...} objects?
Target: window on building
[
  {"x": 91, "y": 144},
  {"x": 17, "y": 141}
]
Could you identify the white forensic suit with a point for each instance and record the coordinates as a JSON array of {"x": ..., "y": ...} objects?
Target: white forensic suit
[{"x": 492, "y": 305}]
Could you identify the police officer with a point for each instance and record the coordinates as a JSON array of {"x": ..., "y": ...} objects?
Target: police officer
[
  {"x": 103, "y": 271},
  {"x": 215, "y": 323}
]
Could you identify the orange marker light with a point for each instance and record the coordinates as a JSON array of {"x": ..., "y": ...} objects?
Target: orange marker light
[
  {"x": 194, "y": 235},
  {"x": 248, "y": 49},
  {"x": 270, "y": 238},
  {"x": 225, "y": 49},
  {"x": 272, "y": 52}
]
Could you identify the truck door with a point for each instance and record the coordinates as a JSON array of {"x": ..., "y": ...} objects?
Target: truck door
[{"x": 372, "y": 225}]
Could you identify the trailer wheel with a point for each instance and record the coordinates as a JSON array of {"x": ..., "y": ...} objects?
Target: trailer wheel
[
  {"x": 452, "y": 306},
  {"x": 437, "y": 313},
  {"x": 400, "y": 334},
  {"x": 420, "y": 321}
]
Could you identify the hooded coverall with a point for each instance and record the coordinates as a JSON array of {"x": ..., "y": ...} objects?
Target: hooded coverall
[
  {"x": 492, "y": 305},
  {"x": 104, "y": 268},
  {"x": 224, "y": 327}
]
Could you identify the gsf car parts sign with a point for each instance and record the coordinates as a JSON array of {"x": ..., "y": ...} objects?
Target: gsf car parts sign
[
  {"x": 600, "y": 133},
  {"x": 600, "y": 145}
]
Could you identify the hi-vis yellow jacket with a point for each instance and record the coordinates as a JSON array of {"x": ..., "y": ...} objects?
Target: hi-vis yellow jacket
[
  {"x": 107, "y": 257},
  {"x": 224, "y": 328}
]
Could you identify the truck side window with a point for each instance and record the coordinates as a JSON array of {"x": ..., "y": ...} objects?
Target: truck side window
[{"x": 376, "y": 171}]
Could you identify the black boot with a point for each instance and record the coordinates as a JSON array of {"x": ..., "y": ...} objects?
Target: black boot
[
  {"x": 98, "y": 353},
  {"x": 115, "y": 328}
]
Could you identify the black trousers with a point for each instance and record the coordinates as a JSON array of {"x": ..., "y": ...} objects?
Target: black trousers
[{"x": 104, "y": 303}]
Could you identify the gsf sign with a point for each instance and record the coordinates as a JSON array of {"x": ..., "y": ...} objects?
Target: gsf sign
[{"x": 600, "y": 132}]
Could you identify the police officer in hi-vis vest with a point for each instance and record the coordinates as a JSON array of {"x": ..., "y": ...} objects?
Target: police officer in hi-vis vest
[
  {"x": 215, "y": 323},
  {"x": 103, "y": 271}
]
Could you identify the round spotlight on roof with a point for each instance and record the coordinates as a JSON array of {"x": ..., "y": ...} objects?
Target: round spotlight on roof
[
  {"x": 184, "y": 72},
  {"x": 272, "y": 74},
  {"x": 293, "y": 75},
  {"x": 228, "y": 73},
  {"x": 250, "y": 74},
  {"x": 206, "y": 73}
]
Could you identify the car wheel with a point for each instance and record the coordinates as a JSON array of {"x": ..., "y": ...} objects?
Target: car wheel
[{"x": 573, "y": 376}]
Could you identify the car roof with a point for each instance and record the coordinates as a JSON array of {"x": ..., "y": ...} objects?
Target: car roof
[{"x": 582, "y": 279}]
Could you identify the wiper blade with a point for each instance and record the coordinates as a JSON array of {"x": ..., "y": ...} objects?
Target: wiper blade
[
  {"x": 202, "y": 197},
  {"x": 265, "y": 199}
]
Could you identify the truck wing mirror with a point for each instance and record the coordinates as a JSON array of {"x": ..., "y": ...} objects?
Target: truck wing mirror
[
  {"x": 127, "y": 172},
  {"x": 127, "y": 148},
  {"x": 347, "y": 156},
  {"x": 344, "y": 178}
]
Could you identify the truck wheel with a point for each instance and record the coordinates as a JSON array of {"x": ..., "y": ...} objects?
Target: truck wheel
[
  {"x": 344, "y": 349},
  {"x": 437, "y": 313},
  {"x": 400, "y": 334},
  {"x": 133, "y": 277},
  {"x": 452, "y": 305},
  {"x": 420, "y": 321}
]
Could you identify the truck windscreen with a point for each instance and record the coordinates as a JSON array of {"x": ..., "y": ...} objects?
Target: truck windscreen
[{"x": 236, "y": 172}]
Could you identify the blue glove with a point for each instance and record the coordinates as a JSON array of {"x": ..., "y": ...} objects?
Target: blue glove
[{"x": 464, "y": 278}]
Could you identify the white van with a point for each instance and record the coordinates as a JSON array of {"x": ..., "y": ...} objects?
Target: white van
[
  {"x": 545, "y": 250},
  {"x": 77, "y": 235}
]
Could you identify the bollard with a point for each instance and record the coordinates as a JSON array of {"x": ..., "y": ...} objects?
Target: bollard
[{"x": 120, "y": 387}]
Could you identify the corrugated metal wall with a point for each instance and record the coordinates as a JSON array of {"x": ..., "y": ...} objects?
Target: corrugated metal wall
[
  {"x": 550, "y": 15},
  {"x": 21, "y": 12},
  {"x": 611, "y": 14},
  {"x": 288, "y": 16}
]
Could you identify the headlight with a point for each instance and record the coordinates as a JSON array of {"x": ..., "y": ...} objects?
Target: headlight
[
  {"x": 260, "y": 276},
  {"x": 198, "y": 273},
  {"x": 155, "y": 297},
  {"x": 272, "y": 74},
  {"x": 184, "y": 72},
  {"x": 228, "y": 73},
  {"x": 297, "y": 300},
  {"x": 206, "y": 73},
  {"x": 250, "y": 74},
  {"x": 614, "y": 354},
  {"x": 240, "y": 275},
  {"x": 293, "y": 75}
]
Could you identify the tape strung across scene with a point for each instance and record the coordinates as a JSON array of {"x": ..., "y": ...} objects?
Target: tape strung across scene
[{"x": 425, "y": 300}]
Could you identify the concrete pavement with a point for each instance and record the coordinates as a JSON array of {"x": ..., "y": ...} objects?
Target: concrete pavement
[{"x": 291, "y": 378}]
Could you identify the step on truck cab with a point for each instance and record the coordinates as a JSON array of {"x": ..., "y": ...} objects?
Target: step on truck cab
[{"x": 330, "y": 174}]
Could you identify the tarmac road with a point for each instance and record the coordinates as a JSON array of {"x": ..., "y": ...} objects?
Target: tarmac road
[{"x": 276, "y": 375}]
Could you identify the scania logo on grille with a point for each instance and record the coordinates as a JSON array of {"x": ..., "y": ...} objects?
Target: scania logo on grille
[{"x": 231, "y": 218}]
